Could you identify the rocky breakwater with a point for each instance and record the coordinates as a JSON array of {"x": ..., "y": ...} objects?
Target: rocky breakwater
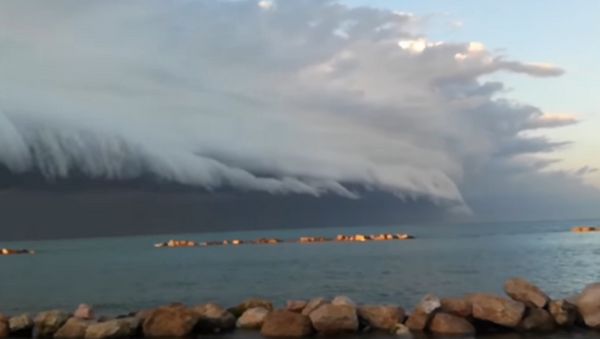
[
  {"x": 271, "y": 241},
  {"x": 586, "y": 229},
  {"x": 524, "y": 309},
  {"x": 8, "y": 251}
]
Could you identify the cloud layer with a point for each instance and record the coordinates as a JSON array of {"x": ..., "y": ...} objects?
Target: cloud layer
[{"x": 294, "y": 96}]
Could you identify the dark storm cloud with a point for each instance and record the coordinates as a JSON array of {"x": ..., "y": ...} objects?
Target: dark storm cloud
[{"x": 307, "y": 98}]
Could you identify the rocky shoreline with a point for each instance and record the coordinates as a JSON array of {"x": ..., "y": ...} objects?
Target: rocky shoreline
[
  {"x": 264, "y": 241},
  {"x": 526, "y": 308}
]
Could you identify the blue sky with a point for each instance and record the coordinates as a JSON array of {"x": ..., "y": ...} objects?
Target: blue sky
[{"x": 555, "y": 31}]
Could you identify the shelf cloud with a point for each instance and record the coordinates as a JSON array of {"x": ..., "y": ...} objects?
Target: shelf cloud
[{"x": 282, "y": 97}]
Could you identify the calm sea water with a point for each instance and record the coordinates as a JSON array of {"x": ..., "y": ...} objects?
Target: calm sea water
[{"x": 120, "y": 275}]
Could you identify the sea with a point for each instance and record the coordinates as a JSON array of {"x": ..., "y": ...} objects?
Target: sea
[{"x": 126, "y": 274}]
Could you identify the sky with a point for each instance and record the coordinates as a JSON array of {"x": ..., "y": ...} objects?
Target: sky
[
  {"x": 196, "y": 115},
  {"x": 545, "y": 31}
]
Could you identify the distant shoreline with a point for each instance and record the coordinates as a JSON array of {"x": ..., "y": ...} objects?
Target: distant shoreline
[{"x": 264, "y": 241}]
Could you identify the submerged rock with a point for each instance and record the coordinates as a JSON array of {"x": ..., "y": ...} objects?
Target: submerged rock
[
  {"x": 527, "y": 293},
  {"x": 332, "y": 319},
  {"x": 563, "y": 312},
  {"x": 253, "y": 318},
  {"x": 283, "y": 323},
  {"x": 213, "y": 318},
  {"x": 314, "y": 304},
  {"x": 47, "y": 323},
  {"x": 384, "y": 317},
  {"x": 170, "y": 321},
  {"x": 445, "y": 323},
  {"x": 422, "y": 314},
  {"x": 498, "y": 310}
]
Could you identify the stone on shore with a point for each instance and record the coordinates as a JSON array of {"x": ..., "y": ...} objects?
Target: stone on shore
[
  {"x": 20, "y": 325},
  {"x": 213, "y": 318},
  {"x": 170, "y": 321},
  {"x": 384, "y": 317},
  {"x": 84, "y": 312},
  {"x": 295, "y": 305},
  {"x": 422, "y": 314},
  {"x": 457, "y": 306},
  {"x": 314, "y": 304},
  {"x": 537, "y": 319},
  {"x": 401, "y": 330},
  {"x": 563, "y": 312},
  {"x": 47, "y": 323},
  {"x": 74, "y": 328},
  {"x": 117, "y": 328},
  {"x": 252, "y": 319},
  {"x": 238, "y": 310},
  {"x": 445, "y": 323},
  {"x": 283, "y": 323},
  {"x": 332, "y": 319},
  {"x": 343, "y": 300},
  {"x": 588, "y": 305},
  {"x": 4, "y": 328},
  {"x": 527, "y": 293},
  {"x": 498, "y": 310}
]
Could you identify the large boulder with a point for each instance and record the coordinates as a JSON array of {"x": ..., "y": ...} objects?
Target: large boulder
[
  {"x": 313, "y": 305},
  {"x": 74, "y": 328},
  {"x": 445, "y": 323},
  {"x": 213, "y": 318},
  {"x": 253, "y": 318},
  {"x": 563, "y": 312},
  {"x": 527, "y": 293},
  {"x": 497, "y": 310},
  {"x": 170, "y": 321},
  {"x": 422, "y": 314},
  {"x": 238, "y": 310},
  {"x": 384, "y": 317},
  {"x": 283, "y": 323},
  {"x": 295, "y": 305},
  {"x": 331, "y": 319},
  {"x": 457, "y": 306},
  {"x": 537, "y": 319},
  {"x": 588, "y": 305},
  {"x": 116, "y": 328},
  {"x": 21, "y": 325},
  {"x": 47, "y": 323},
  {"x": 343, "y": 300},
  {"x": 84, "y": 312}
]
